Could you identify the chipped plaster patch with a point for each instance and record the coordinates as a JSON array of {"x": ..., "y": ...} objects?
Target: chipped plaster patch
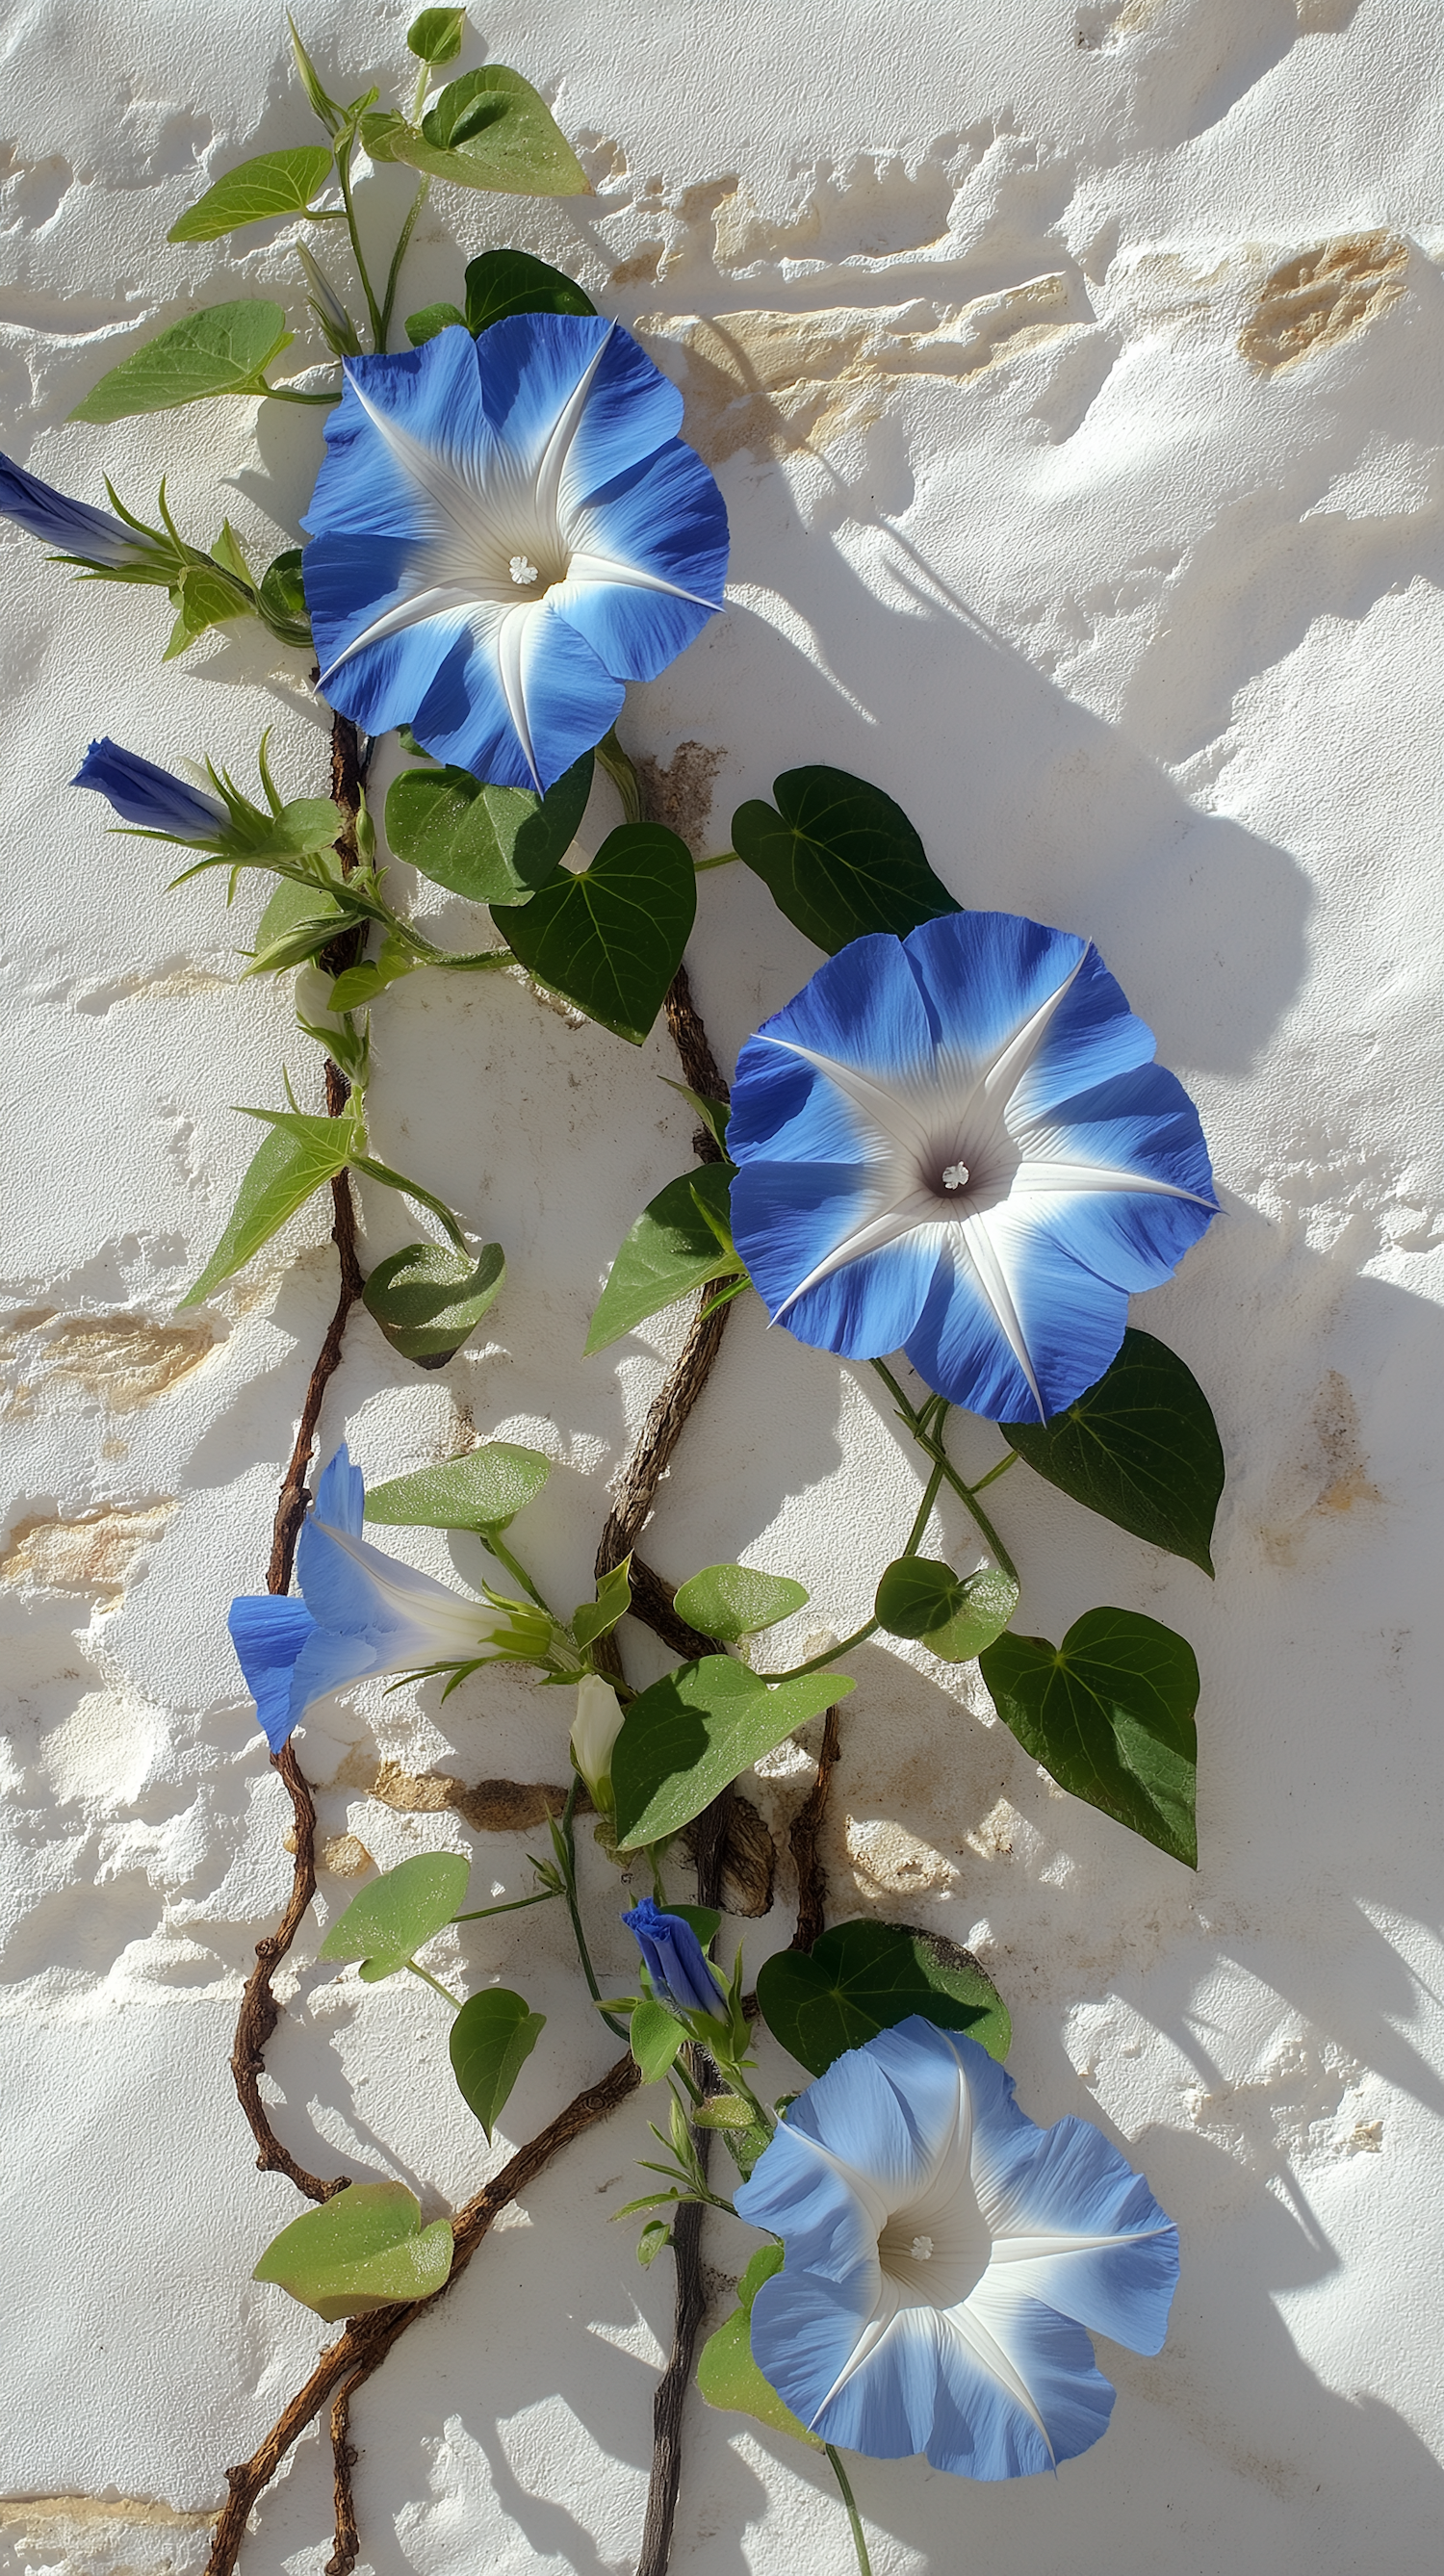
[
  {"x": 1327, "y": 1477},
  {"x": 93, "y": 1556},
  {"x": 889, "y": 1861},
  {"x": 1323, "y": 296},
  {"x": 126, "y": 1359}
]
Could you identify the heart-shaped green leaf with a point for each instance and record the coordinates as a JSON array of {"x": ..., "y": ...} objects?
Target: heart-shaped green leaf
[
  {"x": 732, "y": 1601},
  {"x": 299, "y": 1155},
  {"x": 427, "y": 1299},
  {"x": 492, "y": 2037},
  {"x": 435, "y": 37},
  {"x": 483, "y": 1489},
  {"x": 670, "y": 1250},
  {"x": 727, "y": 2375},
  {"x": 866, "y": 1976},
  {"x": 490, "y": 844},
  {"x": 487, "y": 130},
  {"x": 364, "y": 2250},
  {"x": 1110, "y": 1714},
  {"x": 683, "y": 1740},
  {"x": 397, "y": 1914},
  {"x": 502, "y": 282},
  {"x": 839, "y": 858},
  {"x": 275, "y": 183},
  {"x": 1141, "y": 1447},
  {"x": 224, "y": 350},
  {"x": 611, "y": 939},
  {"x": 955, "y": 1615},
  {"x": 656, "y": 2037}
]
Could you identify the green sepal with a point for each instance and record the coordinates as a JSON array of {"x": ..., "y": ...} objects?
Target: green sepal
[
  {"x": 429, "y": 1299},
  {"x": 1141, "y": 1447},
  {"x": 732, "y": 1601},
  {"x": 297, "y": 923},
  {"x": 489, "y": 129},
  {"x": 686, "y": 1738},
  {"x": 1110, "y": 1714},
  {"x": 203, "y": 598},
  {"x": 594, "y": 1619},
  {"x": 297, "y": 1157},
  {"x": 488, "y": 844},
  {"x": 330, "y": 114},
  {"x": 839, "y": 858},
  {"x": 274, "y": 183},
  {"x": 435, "y": 37},
  {"x": 657, "y": 2037},
  {"x": 482, "y": 1490},
  {"x": 727, "y": 2375},
  {"x": 864, "y": 1976},
  {"x": 671, "y": 1249},
  {"x": 365, "y": 2249},
  {"x": 398, "y": 1913},
  {"x": 954, "y": 1615},
  {"x": 502, "y": 282},
  {"x": 492, "y": 2037},
  {"x": 225, "y": 349},
  {"x": 611, "y": 939}
]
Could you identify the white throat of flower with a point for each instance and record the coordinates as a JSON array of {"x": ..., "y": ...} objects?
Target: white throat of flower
[{"x": 944, "y": 1154}]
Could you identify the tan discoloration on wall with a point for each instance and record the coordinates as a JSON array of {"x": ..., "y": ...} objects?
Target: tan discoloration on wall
[
  {"x": 774, "y": 382},
  {"x": 1328, "y": 1478},
  {"x": 889, "y": 1861},
  {"x": 490, "y": 1807},
  {"x": 126, "y": 1359},
  {"x": 93, "y": 1556},
  {"x": 345, "y": 1856},
  {"x": 1323, "y": 296},
  {"x": 681, "y": 794}
]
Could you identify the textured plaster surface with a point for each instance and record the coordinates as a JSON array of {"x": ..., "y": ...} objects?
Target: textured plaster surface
[{"x": 1075, "y": 379}]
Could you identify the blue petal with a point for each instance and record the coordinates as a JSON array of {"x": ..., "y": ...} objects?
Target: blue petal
[
  {"x": 1069, "y": 2182},
  {"x": 531, "y": 365},
  {"x": 676, "y": 1961},
  {"x": 959, "y": 1347},
  {"x": 431, "y": 395},
  {"x": 981, "y": 2428},
  {"x": 805, "y": 2331},
  {"x": 787, "y": 1217},
  {"x": 152, "y": 798},
  {"x": 567, "y": 700},
  {"x": 339, "y": 1592},
  {"x": 327, "y": 1662},
  {"x": 341, "y": 1494},
  {"x": 984, "y": 974},
  {"x": 868, "y": 1009},
  {"x": 72, "y": 525},
  {"x": 352, "y": 580},
  {"x": 785, "y": 1111},
  {"x": 803, "y": 2197},
  {"x": 1091, "y": 1038},
  {"x": 268, "y": 1634},
  {"x": 666, "y": 518}
]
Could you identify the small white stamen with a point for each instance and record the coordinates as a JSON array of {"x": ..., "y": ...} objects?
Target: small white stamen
[
  {"x": 523, "y": 572},
  {"x": 921, "y": 2249},
  {"x": 955, "y": 1176}
]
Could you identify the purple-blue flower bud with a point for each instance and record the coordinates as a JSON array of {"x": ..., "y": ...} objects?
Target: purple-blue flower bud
[
  {"x": 675, "y": 1959},
  {"x": 73, "y": 526},
  {"x": 154, "y": 799}
]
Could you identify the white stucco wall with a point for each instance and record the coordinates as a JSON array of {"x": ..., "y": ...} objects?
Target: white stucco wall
[{"x": 1147, "y": 640}]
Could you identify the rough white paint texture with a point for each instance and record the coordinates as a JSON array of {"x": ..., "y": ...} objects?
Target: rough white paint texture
[{"x": 1147, "y": 637}]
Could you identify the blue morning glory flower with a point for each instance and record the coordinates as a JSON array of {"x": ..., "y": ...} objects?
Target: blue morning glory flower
[
  {"x": 360, "y": 1612},
  {"x": 73, "y": 526},
  {"x": 959, "y": 1144},
  {"x": 675, "y": 1960},
  {"x": 150, "y": 798},
  {"x": 504, "y": 532},
  {"x": 943, "y": 2258}
]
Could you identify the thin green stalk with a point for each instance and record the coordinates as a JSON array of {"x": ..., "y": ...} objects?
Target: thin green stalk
[
  {"x": 569, "y": 1847},
  {"x": 724, "y": 859},
  {"x": 513, "y": 1905},
  {"x": 993, "y": 1473},
  {"x": 622, "y": 775},
  {"x": 914, "y": 1538},
  {"x": 930, "y": 1442},
  {"x": 854, "y": 2518},
  {"x": 496, "y": 1546},
  {"x": 427, "y": 1979},
  {"x": 288, "y": 393},
  {"x": 725, "y": 1299},
  {"x": 394, "y": 272},
  {"x": 344, "y": 151},
  {"x": 795, "y": 1672}
]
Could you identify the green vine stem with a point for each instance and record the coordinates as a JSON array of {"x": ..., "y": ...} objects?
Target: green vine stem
[
  {"x": 854, "y": 2518},
  {"x": 930, "y": 1441}
]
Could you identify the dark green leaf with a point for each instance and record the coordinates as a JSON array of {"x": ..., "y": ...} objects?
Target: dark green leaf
[
  {"x": 397, "y": 1914},
  {"x": 955, "y": 1615},
  {"x": 732, "y": 1601},
  {"x": 435, "y": 37},
  {"x": 484, "y": 1489},
  {"x": 839, "y": 858},
  {"x": 293, "y": 1161},
  {"x": 503, "y": 282},
  {"x": 365, "y": 2249},
  {"x": 611, "y": 939},
  {"x": 656, "y": 2036},
  {"x": 492, "y": 2037},
  {"x": 487, "y": 130},
  {"x": 728, "y": 2376},
  {"x": 424, "y": 326},
  {"x": 683, "y": 1740},
  {"x": 428, "y": 1299},
  {"x": 490, "y": 844},
  {"x": 670, "y": 1250},
  {"x": 593, "y": 1619},
  {"x": 275, "y": 183},
  {"x": 865, "y": 1976},
  {"x": 224, "y": 350},
  {"x": 1110, "y": 1714},
  {"x": 1141, "y": 1447}
]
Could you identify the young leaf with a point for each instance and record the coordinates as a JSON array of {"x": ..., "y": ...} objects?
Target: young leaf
[
  {"x": 1110, "y": 1714},
  {"x": 727, "y": 2375},
  {"x": 397, "y": 1914},
  {"x": 502, "y": 282},
  {"x": 203, "y": 598},
  {"x": 656, "y": 2036},
  {"x": 492, "y": 2037},
  {"x": 669, "y": 1251},
  {"x": 865, "y": 1976},
  {"x": 1141, "y": 1447},
  {"x": 435, "y": 37},
  {"x": 490, "y": 844},
  {"x": 297, "y": 923},
  {"x": 424, "y": 326},
  {"x": 275, "y": 183},
  {"x": 482, "y": 1490},
  {"x": 683, "y": 1740},
  {"x": 839, "y": 858},
  {"x": 487, "y": 130},
  {"x": 365, "y": 2249},
  {"x": 611, "y": 939},
  {"x": 293, "y": 1161},
  {"x": 428, "y": 1299},
  {"x": 593, "y": 1619},
  {"x": 224, "y": 350},
  {"x": 956, "y": 1616},
  {"x": 732, "y": 1601},
  {"x": 714, "y": 1114}
]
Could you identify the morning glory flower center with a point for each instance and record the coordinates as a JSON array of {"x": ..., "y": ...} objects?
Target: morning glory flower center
[
  {"x": 522, "y": 572},
  {"x": 934, "y": 2252},
  {"x": 955, "y": 1176}
]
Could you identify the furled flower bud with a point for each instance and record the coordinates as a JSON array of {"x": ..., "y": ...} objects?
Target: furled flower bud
[
  {"x": 595, "y": 1729},
  {"x": 675, "y": 1959}
]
